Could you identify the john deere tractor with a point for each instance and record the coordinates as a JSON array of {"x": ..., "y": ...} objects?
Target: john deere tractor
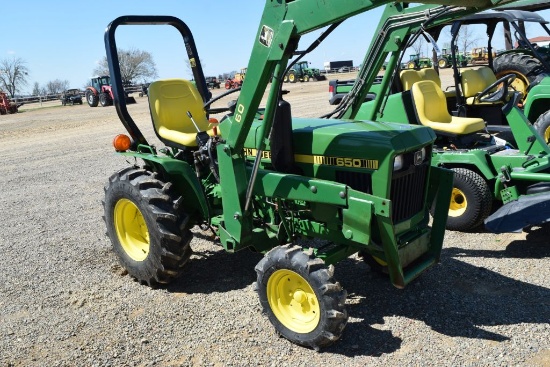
[
  {"x": 265, "y": 180},
  {"x": 303, "y": 73}
]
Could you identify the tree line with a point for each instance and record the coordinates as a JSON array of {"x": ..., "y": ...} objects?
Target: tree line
[{"x": 135, "y": 65}]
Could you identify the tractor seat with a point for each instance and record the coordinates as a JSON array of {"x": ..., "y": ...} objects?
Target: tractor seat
[
  {"x": 431, "y": 110},
  {"x": 474, "y": 81},
  {"x": 409, "y": 77},
  {"x": 169, "y": 101}
]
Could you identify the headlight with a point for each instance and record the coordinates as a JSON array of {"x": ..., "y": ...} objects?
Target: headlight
[
  {"x": 398, "y": 162},
  {"x": 423, "y": 152}
]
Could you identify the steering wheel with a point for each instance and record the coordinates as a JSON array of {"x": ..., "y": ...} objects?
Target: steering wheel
[
  {"x": 500, "y": 94},
  {"x": 218, "y": 97}
]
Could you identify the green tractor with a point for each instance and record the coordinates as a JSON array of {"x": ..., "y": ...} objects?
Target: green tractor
[
  {"x": 417, "y": 62},
  {"x": 445, "y": 59},
  {"x": 267, "y": 181},
  {"x": 303, "y": 73},
  {"x": 488, "y": 170}
]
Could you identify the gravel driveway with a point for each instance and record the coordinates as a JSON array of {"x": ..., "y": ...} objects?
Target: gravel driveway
[{"x": 65, "y": 301}]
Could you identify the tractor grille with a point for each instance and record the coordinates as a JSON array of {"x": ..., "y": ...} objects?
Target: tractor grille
[
  {"x": 407, "y": 192},
  {"x": 356, "y": 180}
]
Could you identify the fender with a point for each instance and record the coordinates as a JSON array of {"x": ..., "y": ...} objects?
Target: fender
[{"x": 182, "y": 175}]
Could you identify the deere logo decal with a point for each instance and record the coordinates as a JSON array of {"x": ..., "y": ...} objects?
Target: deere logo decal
[{"x": 323, "y": 160}]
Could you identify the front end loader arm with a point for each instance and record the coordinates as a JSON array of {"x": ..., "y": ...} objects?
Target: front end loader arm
[{"x": 282, "y": 24}]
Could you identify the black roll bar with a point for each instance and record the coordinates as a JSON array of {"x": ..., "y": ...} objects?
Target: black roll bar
[{"x": 114, "y": 67}]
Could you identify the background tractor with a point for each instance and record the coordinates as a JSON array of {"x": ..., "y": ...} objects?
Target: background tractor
[
  {"x": 303, "y": 73},
  {"x": 445, "y": 59},
  {"x": 417, "y": 62},
  {"x": 269, "y": 181},
  {"x": 237, "y": 80},
  {"x": 100, "y": 92},
  {"x": 7, "y": 106}
]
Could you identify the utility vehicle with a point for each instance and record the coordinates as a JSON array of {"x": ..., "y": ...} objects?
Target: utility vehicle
[
  {"x": 263, "y": 179},
  {"x": 485, "y": 169}
]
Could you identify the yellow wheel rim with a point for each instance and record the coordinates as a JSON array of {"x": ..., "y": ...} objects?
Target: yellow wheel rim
[
  {"x": 291, "y": 78},
  {"x": 458, "y": 203},
  {"x": 547, "y": 135},
  {"x": 380, "y": 261},
  {"x": 411, "y": 65},
  {"x": 131, "y": 229},
  {"x": 442, "y": 63},
  {"x": 293, "y": 301}
]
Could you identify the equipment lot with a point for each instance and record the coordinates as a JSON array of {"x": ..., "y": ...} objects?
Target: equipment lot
[{"x": 65, "y": 300}]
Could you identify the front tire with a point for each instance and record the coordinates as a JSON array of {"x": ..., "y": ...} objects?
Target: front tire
[
  {"x": 300, "y": 297},
  {"x": 471, "y": 201},
  {"x": 542, "y": 125},
  {"x": 104, "y": 100},
  {"x": 148, "y": 232},
  {"x": 306, "y": 78}
]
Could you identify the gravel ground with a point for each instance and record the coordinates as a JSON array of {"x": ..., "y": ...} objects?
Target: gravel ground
[{"x": 66, "y": 301}]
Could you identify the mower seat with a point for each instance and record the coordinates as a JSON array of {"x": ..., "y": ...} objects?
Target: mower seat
[
  {"x": 169, "y": 102},
  {"x": 431, "y": 109}
]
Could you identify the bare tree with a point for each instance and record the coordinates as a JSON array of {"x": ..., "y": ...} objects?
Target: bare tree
[
  {"x": 466, "y": 39},
  {"x": 418, "y": 45},
  {"x": 13, "y": 75},
  {"x": 57, "y": 86},
  {"x": 134, "y": 65}
]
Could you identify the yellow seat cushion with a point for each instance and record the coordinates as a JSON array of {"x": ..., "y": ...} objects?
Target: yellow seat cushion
[
  {"x": 431, "y": 109},
  {"x": 169, "y": 101},
  {"x": 409, "y": 77}
]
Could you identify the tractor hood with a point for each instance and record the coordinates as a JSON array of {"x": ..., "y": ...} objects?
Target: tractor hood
[{"x": 352, "y": 139}]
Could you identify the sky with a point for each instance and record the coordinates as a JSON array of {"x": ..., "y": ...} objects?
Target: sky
[{"x": 64, "y": 39}]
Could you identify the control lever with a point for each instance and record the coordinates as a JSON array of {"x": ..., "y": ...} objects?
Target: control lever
[{"x": 202, "y": 136}]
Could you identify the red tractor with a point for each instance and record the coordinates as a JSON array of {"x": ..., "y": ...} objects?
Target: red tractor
[
  {"x": 6, "y": 106},
  {"x": 100, "y": 92}
]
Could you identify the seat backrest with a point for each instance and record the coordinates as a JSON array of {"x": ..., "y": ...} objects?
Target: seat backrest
[
  {"x": 474, "y": 81},
  {"x": 408, "y": 78},
  {"x": 169, "y": 101},
  {"x": 430, "y": 74},
  {"x": 430, "y": 103}
]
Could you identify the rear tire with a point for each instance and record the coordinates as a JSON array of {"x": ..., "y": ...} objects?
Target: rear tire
[
  {"x": 542, "y": 125},
  {"x": 442, "y": 63},
  {"x": 300, "y": 297},
  {"x": 148, "y": 231},
  {"x": 292, "y": 77},
  {"x": 471, "y": 201},
  {"x": 525, "y": 67},
  {"x": 92, "y": 98}
]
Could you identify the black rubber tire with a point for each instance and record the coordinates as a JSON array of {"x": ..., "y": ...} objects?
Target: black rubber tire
[
  {"x": 306, "y": 78},
  {"x": 292, "y": 78},
  {"x": 526, "y": 68},
  {"x": 105, "y": 100},
  {"x": 442, "y": 63},
  {"x": 331, "y": 298},
  {"x": 285, "y": 78},
  {"x": 474, "y": 191},
  {"x": 91, "y": 98},
  {"x": 167, "y": 225},
  {"x": 542, "y": 125}
]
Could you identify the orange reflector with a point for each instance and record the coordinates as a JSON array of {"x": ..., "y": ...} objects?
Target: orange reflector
[
  {"x": 213, "y": 120},
  {"x": 122, "y": 143}
]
